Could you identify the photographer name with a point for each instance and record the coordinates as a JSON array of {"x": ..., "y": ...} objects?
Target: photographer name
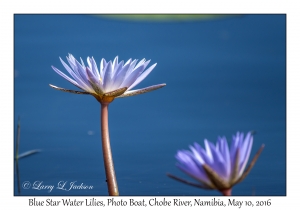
[{"x": 61, "y": 185}]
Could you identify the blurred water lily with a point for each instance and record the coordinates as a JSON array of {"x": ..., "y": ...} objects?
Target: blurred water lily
[
  {"x": 218, "y": 166},
  {"x": 112, "y": 79}
]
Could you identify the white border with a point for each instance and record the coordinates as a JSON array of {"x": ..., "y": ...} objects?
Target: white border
[{"x": 8, "y": 8}]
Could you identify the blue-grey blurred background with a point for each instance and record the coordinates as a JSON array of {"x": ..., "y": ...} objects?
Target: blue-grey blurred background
[{"x": 223, "y": 75}]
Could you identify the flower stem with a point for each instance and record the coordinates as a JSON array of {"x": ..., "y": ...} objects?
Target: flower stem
[
  {"x": 107, "y": 155},
  {"x": 226, "y": 192}
]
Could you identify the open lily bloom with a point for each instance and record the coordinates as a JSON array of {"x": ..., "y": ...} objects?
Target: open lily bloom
[
  {"x": 112, "y": 79},
  {"x": 218, "y": 166}
]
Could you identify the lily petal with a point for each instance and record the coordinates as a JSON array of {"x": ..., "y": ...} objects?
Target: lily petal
[
  {"x": 141, "y": 91},
  {"x": 142, "y": 76}
]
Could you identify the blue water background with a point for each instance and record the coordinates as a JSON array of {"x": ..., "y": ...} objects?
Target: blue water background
[{"x": 223, "y": 76}]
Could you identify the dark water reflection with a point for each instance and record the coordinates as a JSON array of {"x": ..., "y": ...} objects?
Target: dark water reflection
[{"x": 222, "y": 76}]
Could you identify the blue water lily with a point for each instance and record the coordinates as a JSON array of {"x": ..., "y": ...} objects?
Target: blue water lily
[{"x": 112, "y": 79}]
